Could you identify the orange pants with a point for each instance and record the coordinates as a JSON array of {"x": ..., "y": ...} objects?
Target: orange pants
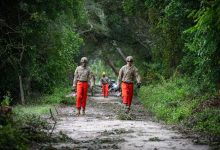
[
  {"x": 105, "y": 90},
  {"x": 81, "y": 96},
  {"x": 127, "y": 93}
]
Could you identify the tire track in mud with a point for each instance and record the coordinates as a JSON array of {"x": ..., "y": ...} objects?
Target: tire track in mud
[{"x": 101, "y": 128}]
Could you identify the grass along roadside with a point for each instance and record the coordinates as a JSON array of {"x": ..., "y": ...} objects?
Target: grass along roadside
[
  {"x": 58, "y": 97},
  {"x": 179, "y": 101},
  {"x": 38, "y": 110},
  {"x": 42, "y": 105},
  {"x": 24, "y": 128}
]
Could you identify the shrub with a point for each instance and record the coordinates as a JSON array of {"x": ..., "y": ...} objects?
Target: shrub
[{"x": 13, "y": 138}]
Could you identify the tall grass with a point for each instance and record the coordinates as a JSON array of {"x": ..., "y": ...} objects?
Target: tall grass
[{"x": 177, "y": 100}]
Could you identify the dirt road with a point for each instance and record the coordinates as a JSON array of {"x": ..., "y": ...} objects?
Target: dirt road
[{"x": 102, "y": 128}]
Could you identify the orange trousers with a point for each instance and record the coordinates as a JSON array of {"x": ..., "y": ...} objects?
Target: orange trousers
[
  {"x": 105, "y": 90},
  {"x": 127, "y": 93},
  {"x": 81, "y": 96}
]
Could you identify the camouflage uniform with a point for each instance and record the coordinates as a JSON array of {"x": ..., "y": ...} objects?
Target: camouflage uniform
[
  {"x": 82, "y": 76},
  {"x": 104, "y": 80},
  {"x": 126, "y": 77}
]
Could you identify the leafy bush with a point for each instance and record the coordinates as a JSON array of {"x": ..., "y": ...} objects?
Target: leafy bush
[
  {"x": 202, "y": 45},
  {"x": 12, "y": 138},
  {"x": 24, "y": 129},
  {"x": 206, "y": 121},
  {"x": 7, "y": 99},
  {"x": 50, "y": 44}
]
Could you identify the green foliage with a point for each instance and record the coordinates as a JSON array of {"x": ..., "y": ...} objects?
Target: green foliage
[
  {"x": 207, "y": 121},
  {"x": 32, "y": 109},
  {"x": 129, "y": 6},
  {"x": 167, "y": 20},
  {"x": 167, "y": 48},
  {"x": 165, "y": 97},
  {"x": 65, "y": 45},
  {"x": 202, "y": 45},
  {"x": 98, "y": 67},
  {"x": 39, "y": 42},
  {"x": 6, "y": 99},
  {"x": 176, "y": 100},
  {"x": 79, "y": 11},
  {"x": 13, "y": 138},
  {"x": 134, "y": 7},
  {"x": 155, "y": 3},
  {"x": 27, "y": 126},
  {"x": 42, "y": 105},
  {"x": 184, "y": 36},
  {"x": 24, "y": 129},
  {"x": 153, "y": 72},
  {"x": 58, "y": 97},
  {"x": 36, "y": 127}
]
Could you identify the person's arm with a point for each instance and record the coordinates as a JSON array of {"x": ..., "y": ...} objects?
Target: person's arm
[
  {"x": 108, "y": 80},
  {"x": 120, "y": 76}
]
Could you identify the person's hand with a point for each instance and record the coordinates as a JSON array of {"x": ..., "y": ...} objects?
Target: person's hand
[{"x": 138, "y": 85}]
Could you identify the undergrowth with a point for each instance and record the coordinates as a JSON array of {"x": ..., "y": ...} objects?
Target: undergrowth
[
  {"x": 57, "y": 97},
  {"x": 24, "y": 126},
  {"x": 180, "y": 100}
]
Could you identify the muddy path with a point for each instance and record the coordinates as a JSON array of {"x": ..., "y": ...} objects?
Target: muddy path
[{"x": 102, "y": 128}]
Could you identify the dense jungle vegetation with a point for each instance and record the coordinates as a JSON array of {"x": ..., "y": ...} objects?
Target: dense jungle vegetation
[{"x": 175, "y": 45}]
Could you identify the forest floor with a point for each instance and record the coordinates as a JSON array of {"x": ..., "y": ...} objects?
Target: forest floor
[{"x": 103, "y": 128}]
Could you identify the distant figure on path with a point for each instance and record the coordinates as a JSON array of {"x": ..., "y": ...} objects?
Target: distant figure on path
[
  {"x": 82, "y": 76},
  {"x": 105, "y": 82},
  {"x": 126, "y": 79}
]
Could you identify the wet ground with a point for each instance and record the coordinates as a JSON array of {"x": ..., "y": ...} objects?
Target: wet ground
[{"x": 102, "y": 128}]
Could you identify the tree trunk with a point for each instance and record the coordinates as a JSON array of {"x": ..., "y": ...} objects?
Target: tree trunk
[
  {"x": 121, "y": 53},
  {"x": 110, "y": 63},
  {"x": 21, "y": 90},
  {"x": 28, "y": 86},
  {"x": 119, "y": 50}
]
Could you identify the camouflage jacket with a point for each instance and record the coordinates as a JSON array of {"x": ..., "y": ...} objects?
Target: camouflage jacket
[
  {"x": 83, "y": 74},
  {"x": 104, "y": 80},
  {"x": 128, "y": 74}
]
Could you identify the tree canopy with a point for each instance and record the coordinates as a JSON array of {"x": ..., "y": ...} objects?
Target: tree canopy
[{"x": 42, "y": 41}]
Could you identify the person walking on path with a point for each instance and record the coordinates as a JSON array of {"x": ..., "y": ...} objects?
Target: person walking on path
[
  {"x": 80, "y": 83},
  {"x": 126, "y": 77},
  {"x": 105, "y": 82}
]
